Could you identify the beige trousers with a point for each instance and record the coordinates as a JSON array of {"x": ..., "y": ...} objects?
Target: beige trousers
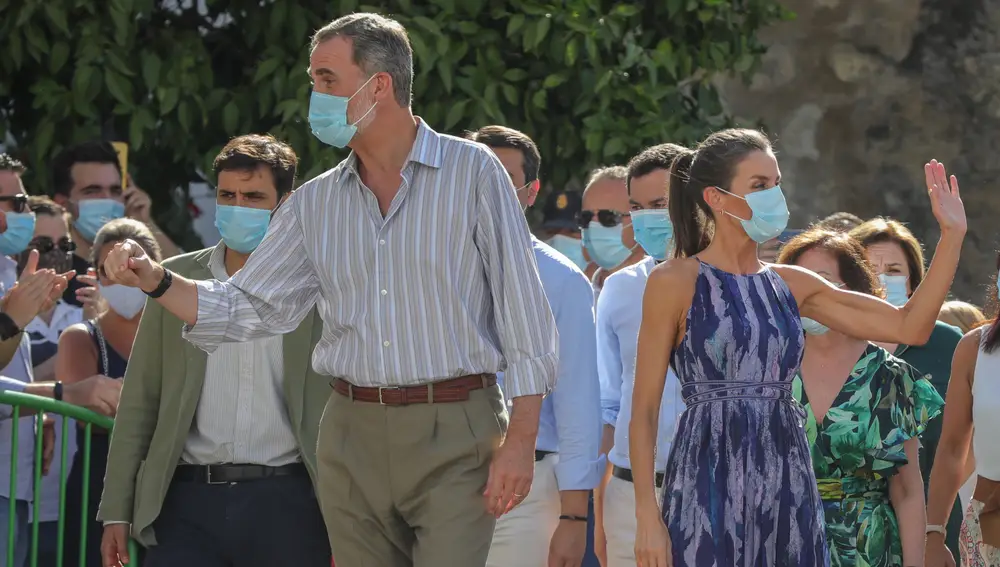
[
  {"x": 403, "y": 486},
  {"x": 522, "y": 536},
  {"x": 620, "y": 523}
]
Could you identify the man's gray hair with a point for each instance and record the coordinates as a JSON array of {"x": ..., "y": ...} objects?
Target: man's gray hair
[
  {"x": 380, "y": 45},
  {"x": 120, "y": 230},
  {"x": 612, "y": 172}
]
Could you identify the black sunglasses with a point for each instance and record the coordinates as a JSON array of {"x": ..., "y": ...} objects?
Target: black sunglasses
[
  {"x": 606, "y": 217},
  {"x": 18, "y": 202},
  {"x": 44, "y": 245}
]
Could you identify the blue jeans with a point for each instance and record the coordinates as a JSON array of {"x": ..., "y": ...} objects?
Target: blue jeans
[{"x": 21, "y": 532}]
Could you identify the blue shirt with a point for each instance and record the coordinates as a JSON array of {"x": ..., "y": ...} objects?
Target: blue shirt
[
  {"x": 619, "y": 313},
  {"x": 14, "y": 376},
  {"x": 570, "y": 421}
]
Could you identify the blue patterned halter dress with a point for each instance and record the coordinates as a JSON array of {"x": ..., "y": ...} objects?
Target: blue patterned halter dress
[{"x": 740, "y": 489}]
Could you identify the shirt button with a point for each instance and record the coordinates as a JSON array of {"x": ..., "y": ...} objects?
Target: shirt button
[
  {"x": 381, "y": 242},
  {"x": 384, "y": 292},
  {"x": 386, "y": 343}
]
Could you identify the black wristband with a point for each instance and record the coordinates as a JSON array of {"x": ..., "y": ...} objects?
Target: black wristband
[
  {"x": 573, "y": 518},
  {"x": 168, "y": 278},
  {"x": 57, "y": 392},
  {"x": 8, "y": 328}
]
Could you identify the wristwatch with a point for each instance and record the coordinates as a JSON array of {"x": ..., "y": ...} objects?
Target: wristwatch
[
  {"x": 168, "y": 278},
  {"x": 57, "y": 391},
  {"x": 8, "y": 328}
]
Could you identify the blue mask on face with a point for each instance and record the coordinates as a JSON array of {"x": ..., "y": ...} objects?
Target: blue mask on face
[
  {"x": 895, "y": 289},
  {"x": 242, "y": 228},
  {"x": 653, "y": 231},
  {"x": 94, "y": 214},
  {"x": 813, "y": 327},
  {"x": 20, "y": 230},
  {"x": 604, "y": 244},
  {"x": 328, "y": 117},
  {"x": 572, "y": 248},
  {"x": 769, "y": 216}
]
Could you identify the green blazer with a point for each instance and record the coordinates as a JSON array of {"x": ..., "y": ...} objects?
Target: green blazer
[{"x": 160, "y": 395}]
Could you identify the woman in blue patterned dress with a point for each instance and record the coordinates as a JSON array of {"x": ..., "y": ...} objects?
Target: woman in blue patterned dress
[{"x": 739, "y": 488}]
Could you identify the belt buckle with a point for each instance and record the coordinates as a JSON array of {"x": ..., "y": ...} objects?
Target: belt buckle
[
  {"x": 208, "y": 477},
  {"x": 383, "y": 389}
]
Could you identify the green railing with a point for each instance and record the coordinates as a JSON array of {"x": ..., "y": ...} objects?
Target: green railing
[{"x": 89, "y": 420}]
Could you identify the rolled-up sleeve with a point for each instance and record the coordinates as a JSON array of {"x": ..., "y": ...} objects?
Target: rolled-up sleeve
[
  {"x": 525, "y": 326},
  {"x": 269, "y": 296},
  {"x": 576, "y": 398},
  {"x": 609, "y": 360},
  {"x": 9, "y": 385}
]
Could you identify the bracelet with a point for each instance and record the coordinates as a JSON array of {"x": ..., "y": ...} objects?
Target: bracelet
[
  {"x": 57, "y": 392},
  {"x": 936, "y": 528},
  {"x": 573, "y": 518}
]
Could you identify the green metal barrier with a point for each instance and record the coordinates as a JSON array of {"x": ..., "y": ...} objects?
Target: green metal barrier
[{"x": 84, "y": 416}]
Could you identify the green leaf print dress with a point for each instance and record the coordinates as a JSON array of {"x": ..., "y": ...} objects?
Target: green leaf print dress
[{"x": 858, "y": 446}]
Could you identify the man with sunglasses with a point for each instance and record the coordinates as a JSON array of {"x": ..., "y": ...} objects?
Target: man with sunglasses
[
  {"x": 550, "y": 526},
  {"x": 608, "y": 239},
  {"x": 619, "y": 312}
]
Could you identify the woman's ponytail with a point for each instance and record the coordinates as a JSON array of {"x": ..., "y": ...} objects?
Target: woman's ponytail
[{"x": 687, "y": 209}]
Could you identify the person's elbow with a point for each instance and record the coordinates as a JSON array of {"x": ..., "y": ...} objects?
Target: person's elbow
[{"x": 913, "y": 334}]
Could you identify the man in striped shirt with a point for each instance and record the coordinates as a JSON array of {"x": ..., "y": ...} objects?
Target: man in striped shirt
[{"x": 419, "y": 257}]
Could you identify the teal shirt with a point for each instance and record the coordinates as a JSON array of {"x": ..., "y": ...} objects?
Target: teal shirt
[{"x": 934, "y": 358}]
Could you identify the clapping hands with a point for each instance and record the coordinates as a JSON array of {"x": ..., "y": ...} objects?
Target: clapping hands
[{"x": 35, "y": 291}]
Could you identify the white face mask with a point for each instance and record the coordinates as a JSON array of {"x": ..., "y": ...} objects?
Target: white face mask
[{"x": 125, "y": 301}]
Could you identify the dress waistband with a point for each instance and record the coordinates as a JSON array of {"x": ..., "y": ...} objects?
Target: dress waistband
[
  {"x": 729, "y": 389},
  {"x": 853, "y": 487}
]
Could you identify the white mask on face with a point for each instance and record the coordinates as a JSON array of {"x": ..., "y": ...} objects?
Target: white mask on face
[{"x": 125, "y": 301}]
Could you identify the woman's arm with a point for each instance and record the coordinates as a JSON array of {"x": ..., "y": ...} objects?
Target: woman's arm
[
  {"x": 906, "y": 493},
  {"x": 76, "y": 358},
  {"x": 953, "y": 447}
]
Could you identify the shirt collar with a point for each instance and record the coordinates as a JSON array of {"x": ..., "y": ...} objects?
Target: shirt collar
[
  {"x": 217, "y": 262},
  {"x": 426, "y": 150}
]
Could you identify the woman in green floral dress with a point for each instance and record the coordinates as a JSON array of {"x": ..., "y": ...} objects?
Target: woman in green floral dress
[{"x": 864, "y": 410}]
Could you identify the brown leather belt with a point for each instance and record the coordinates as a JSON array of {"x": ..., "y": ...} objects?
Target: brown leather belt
[{"x": 443, "y": 392}]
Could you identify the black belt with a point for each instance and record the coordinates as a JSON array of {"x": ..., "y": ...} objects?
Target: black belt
[
  {"x": 225, "y": 474},
  {"x": 539, "y": 455},
  {"x": 626, "y": 474}
]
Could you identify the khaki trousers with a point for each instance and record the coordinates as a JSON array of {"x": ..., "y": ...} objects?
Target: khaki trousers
[
  {"x": 523, "y": 535},
  {"x": 620, "y": 522},
  {"x": 403, "y": 486}
]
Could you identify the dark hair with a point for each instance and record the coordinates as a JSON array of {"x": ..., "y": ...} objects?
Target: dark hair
[
  {"x": 881, "y": 229},
  {"x": 8, "y": 163},
  {"x": 41, "y": 205},
  {"x": 509, "y": 138},
  {"x": 839, "y": 222},
  {"x": 87, "y": 152},
  {"x": 378, "y": 45},
  {"x": 660, "y": 156},
  {"x": 712, "y": 164},
  {"x": 856, "y": 271},
  {"x": 252, "y": 151}
]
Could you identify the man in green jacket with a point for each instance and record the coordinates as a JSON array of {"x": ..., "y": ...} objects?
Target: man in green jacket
[{"x": 212, "y": 456}]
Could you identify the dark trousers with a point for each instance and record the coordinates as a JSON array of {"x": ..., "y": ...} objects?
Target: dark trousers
[{"x": 263, "y": 523}]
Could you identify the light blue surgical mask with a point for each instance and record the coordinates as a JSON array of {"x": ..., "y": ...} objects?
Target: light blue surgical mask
[
  {"x": 769, "y": 213},
  {"x": 895, "y": 289},
  {"x": 653, "y": 231},
  {"x": 20, "y": 230},
  {"x": 328, "y": 117},
  {"x": 94, "y": 214},
  {"x": 570, "y": 247},
  {"x": 813, "y": 327},
  {"x": 604, "y": 244},
  {"x": 242, "y": 228}
]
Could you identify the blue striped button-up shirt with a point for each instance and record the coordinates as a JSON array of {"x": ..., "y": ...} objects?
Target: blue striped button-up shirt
[{"x": 444, "y": 285}]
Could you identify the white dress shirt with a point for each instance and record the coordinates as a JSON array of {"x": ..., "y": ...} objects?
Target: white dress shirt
[
  {"x": 619, "y": 314},
  {"x": 241, "y": 416},
  {"x": 444, "y": 285},
  {"x": 15, "y": 376}
]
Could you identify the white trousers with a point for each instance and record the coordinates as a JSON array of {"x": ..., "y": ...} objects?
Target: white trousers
[
  {"x": 522, "y": 536},
  {"x": 620, "y": 523}
]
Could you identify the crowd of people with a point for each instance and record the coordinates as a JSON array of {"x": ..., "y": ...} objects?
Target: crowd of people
[{"x": 383, "y": 366}]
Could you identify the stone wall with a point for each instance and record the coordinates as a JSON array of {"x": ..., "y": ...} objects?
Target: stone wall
[{"x": 859, "y": 94}]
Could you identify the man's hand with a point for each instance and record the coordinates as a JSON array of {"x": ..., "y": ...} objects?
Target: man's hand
[
  {"x": 128, "y": 264},
  {"x": 138, "y": 205},
  {"x": 513, "y": 465},
  {"x": 25, "y": 300},
  {"x": 97, "y": 393},
  {"x": 114, "y": 545},
  {"x": 569, "y": 543},
  {"x": 48, "y": 443},
  {"x": 90, "y": 296}
]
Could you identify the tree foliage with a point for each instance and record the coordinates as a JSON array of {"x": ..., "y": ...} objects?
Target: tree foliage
[{"x": 592, "y": 81}]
